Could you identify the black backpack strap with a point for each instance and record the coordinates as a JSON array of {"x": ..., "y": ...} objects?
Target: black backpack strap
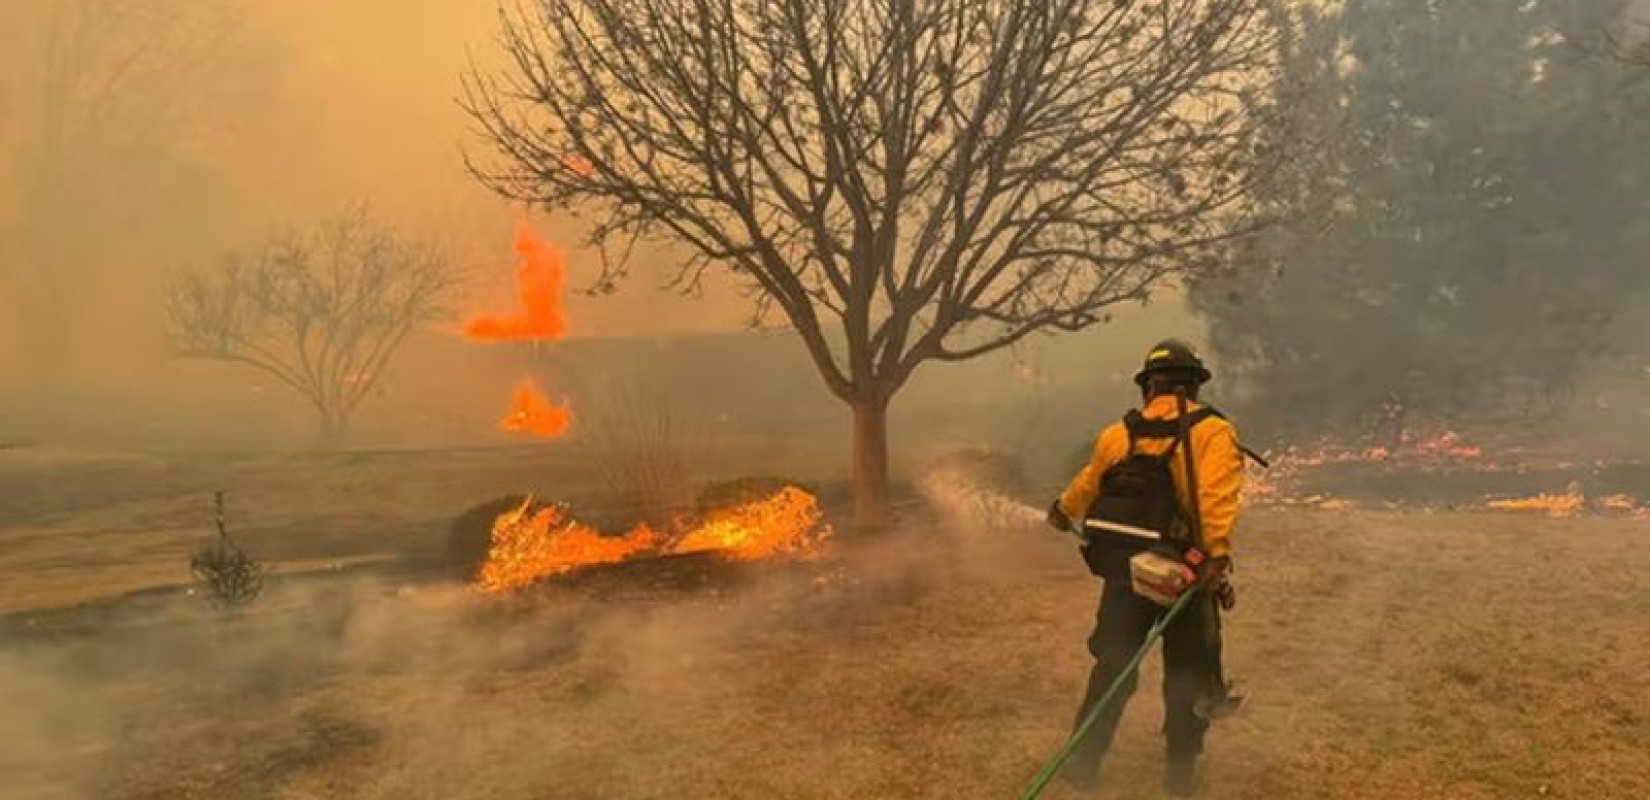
[
  {"x": 1202, "y": 414},
  {"x": 1142, "y": 428},
  {"x": 1242, "y": 448},
  {"x": 1130, "y": 421},
  {"x": 1139, "y": 427},
  {"x": 1259, "y": 460},
  {"x": 1170, "y": 429},
  {"x": 1185, "y": 422}
]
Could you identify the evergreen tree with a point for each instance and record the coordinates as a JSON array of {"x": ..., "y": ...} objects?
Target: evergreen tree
[{"x": 1466, "y": 232}]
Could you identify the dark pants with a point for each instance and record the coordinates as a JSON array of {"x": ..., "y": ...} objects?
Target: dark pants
[{"x": 1191, "y": 668}]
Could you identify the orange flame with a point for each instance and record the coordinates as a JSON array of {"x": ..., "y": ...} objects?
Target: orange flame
[
  {"x": 548, "y": 542},
  {"x": 776, "y": 526},
  {"x": 1447, "y": 444},
  {"x": 1568, "y": 504},
  {"x": 1573, "y": 503},
  {"x": 1619, "y": 504},
  {"x": 539, "y": 278},
  {"x": 529, "y": 547},
  {"x": 531, "y": 413}
]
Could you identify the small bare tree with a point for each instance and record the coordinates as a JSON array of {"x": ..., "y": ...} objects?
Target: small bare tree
[
  {"x": 905, "y": 180},
  {"x": 323, "y": 311},
  {"x": 232, "y": 577}
]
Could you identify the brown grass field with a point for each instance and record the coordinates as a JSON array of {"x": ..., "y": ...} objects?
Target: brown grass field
[{"x": 1386, "y": 654}]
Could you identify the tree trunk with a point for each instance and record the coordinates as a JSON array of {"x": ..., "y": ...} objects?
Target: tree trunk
[
  {"x": 334, "y": 427},
  {"x": 870, "y": 464}
]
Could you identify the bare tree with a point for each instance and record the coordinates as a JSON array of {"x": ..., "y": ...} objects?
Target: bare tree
[
  {"x": 322, "y": 311},
  {"x": 904, "y": 180}
]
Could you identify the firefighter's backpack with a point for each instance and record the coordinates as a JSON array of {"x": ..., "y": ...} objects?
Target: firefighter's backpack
[{"x": 1138, "y": 508}]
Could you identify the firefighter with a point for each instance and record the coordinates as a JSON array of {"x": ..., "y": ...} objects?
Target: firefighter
[{"x": 1138, "y": 478}]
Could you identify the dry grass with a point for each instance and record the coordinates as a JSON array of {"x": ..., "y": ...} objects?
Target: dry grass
[
  {"x": 78, "y": 528},
  {"x": 1386, "y": 655},
  {"x": 642, "y": 444}
]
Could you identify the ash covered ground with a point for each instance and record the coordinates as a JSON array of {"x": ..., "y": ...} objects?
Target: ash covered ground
[{"x": 1387, "y": 652}]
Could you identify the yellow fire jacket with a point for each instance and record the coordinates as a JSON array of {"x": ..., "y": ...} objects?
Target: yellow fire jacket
[{"x": 1219, "y": 471}]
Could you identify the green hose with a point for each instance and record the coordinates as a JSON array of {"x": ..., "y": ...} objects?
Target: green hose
[{"x": 1053, "y": 767}]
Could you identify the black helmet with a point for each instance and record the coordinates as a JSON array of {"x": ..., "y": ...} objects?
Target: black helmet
[{"x": 1172, "y": 355}]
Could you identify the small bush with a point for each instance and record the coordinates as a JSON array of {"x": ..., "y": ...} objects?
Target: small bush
[
  {"x": 231, "y": 577},
  {"x": 643, "y": 448}
]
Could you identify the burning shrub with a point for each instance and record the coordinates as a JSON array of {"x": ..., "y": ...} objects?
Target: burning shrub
[
  {"x": 785, "y": 523},
  {"x": 529, "y": 544},
  {"x": 532, "y": 543},
  {"x": 231, "y": 576},
  {"x": 471, "y": 535},
  {"x": 722, "y": 495}
]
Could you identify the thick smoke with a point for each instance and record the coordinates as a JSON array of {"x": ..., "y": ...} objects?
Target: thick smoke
[
  {"x": 1465, "y": 238},
  {"x": 390, "y": 689}
]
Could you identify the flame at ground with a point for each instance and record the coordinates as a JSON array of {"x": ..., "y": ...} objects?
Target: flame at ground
[
  {"x": 1619, "y": 504},
  {"x": 531, "y": 413},
  {"x": 779, "y": 525},
  {"x": 538, "y": 288},
  {"x": 1447, "y": 444},
  {"x": 1568, "y": 504},
  {"x": 528, "y": 547},
  {"x": 1574, "y": 502},
  {"x": 1289, "y": 481}
]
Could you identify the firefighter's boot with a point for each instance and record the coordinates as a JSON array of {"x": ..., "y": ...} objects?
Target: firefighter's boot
[
  {"x": 1219, "y": 702},
  {"x": 1180, "y": 778}
]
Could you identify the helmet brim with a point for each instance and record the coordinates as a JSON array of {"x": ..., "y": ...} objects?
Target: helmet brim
[{"x": 1144, "y": 376}]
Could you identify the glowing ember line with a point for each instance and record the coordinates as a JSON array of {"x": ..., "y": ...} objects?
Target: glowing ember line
[{"x": 1568, "y": 504}]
